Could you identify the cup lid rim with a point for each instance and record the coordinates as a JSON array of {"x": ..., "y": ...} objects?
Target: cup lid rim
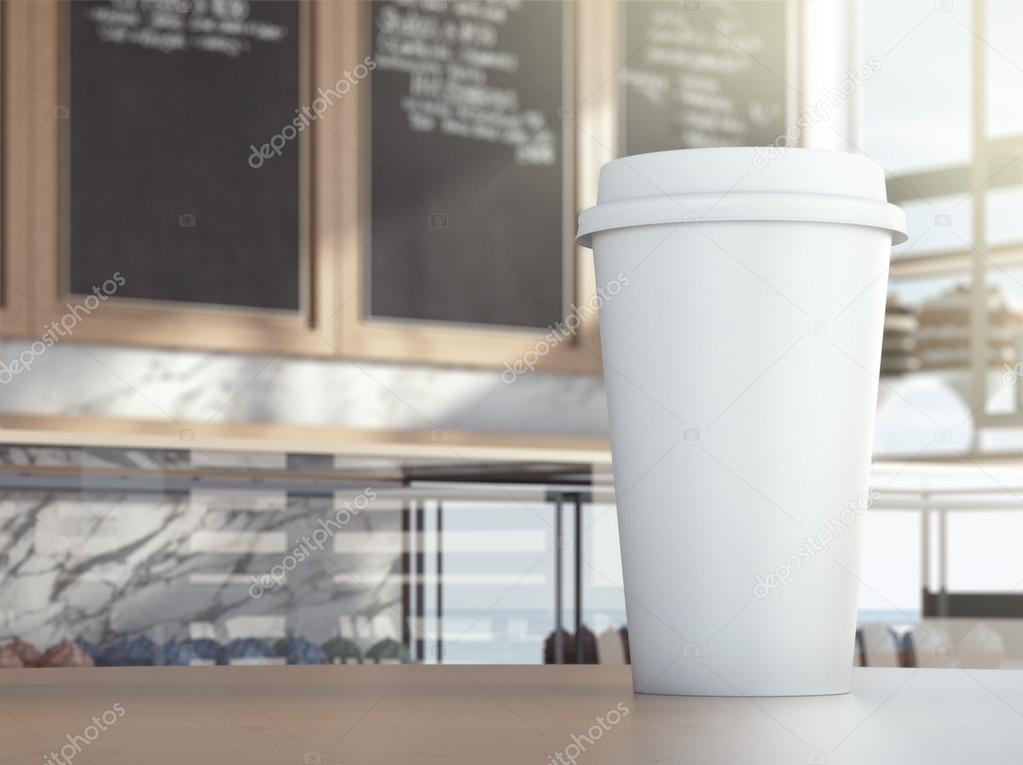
[{"x": 694, "y": 209}]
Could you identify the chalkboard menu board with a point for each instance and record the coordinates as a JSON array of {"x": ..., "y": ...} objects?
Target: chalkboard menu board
[
  {"x": 703, "y": 74},
  {"x": 184, "y": 150},
  {"x": 467, "y": 191}
]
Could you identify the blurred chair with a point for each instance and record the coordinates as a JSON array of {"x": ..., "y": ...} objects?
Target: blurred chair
[
  {"x": 567, "y": 647},
  {"x": 610, "y": 649},
  {"x": 879, "y": 646},
  {"x": 589, "y": 643},
  {"x": 388, "y": 651},
  {"x": 341, "y": 650},
  {"x": 927, "y": 646}
]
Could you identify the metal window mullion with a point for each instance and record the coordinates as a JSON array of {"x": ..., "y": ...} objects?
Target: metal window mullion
[{"x": 978, "y": 176}]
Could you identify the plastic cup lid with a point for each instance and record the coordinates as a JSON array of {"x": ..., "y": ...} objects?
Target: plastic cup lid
[{"x": 741, "y": 184}]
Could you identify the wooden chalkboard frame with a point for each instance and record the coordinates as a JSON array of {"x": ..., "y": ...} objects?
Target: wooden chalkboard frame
[
  {"x": 159, "y": 323},
  {"x": 15, "y": 132},
  {"x": 436, "y": 343},
  {"x": 333, "y": 322}
]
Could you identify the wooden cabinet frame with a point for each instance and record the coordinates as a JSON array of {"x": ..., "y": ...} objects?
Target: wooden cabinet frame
[
  {"x": 40, "y": 204},
  {"x": 17, "y": 286},
  {"x": 336, "y": 157},
  {"x": 333, "y": 321},
  {"x": 361, "y": 336}
]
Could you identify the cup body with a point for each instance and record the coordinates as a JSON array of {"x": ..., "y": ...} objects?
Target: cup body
[{"x": 741, "y": 364}]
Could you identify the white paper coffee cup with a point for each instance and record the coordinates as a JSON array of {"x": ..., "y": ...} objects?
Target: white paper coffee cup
[{"x": 742, "y": 345}]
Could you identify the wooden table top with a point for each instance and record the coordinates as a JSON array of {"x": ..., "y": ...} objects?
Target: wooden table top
[{"x": 472, "y": 714}]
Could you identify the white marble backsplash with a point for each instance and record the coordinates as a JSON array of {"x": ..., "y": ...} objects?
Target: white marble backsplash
[
  {"x": 91, "y": 380},
  {"x": 108, "y": 565}
]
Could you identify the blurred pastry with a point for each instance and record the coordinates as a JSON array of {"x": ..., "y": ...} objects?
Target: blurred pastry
[
  {"x": 27, "y": 652},
  {"x": 131, "y": 652},
  {"x": 65, "y": 654},
  {"x": 898, "y": 351},
  {"x": 9, "y": 658},
  {"x": 943, "y": 339},
  {"x": 341, "y": 650},
  {"x": 91, "y": 649},
  {"x": 298, "y": 650},
  {"x": 388, "y": 651}
]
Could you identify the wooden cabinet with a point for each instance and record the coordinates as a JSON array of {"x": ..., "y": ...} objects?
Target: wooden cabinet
[{"x": 377, "y": 180}]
